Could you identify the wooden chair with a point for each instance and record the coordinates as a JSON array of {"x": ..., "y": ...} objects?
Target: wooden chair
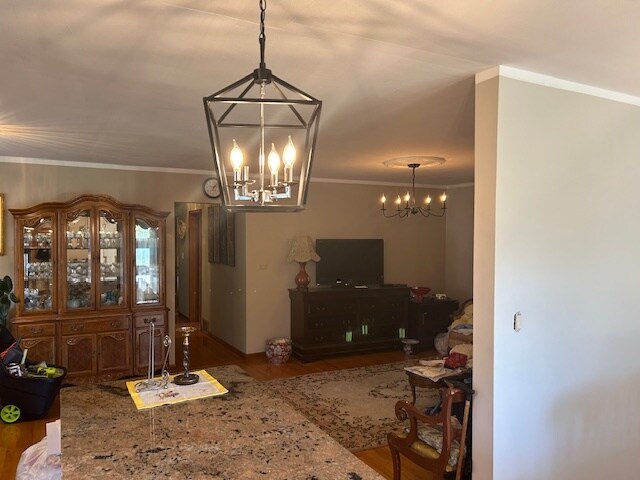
[{"x": 420, "y": 443}]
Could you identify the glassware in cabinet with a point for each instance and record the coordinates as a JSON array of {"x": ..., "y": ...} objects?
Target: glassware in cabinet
[
  {"x": 38, "y": 251},
  {"x": 78, "y": 260},
  {"x": 111, "y": 239},
  {"x": 147, "y": 262}
]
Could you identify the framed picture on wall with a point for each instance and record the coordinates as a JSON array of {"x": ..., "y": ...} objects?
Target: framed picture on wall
[{"x": 221, "y": 236}]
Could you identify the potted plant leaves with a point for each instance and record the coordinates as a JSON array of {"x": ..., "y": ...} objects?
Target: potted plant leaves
[{"x": 7, "y": 297}]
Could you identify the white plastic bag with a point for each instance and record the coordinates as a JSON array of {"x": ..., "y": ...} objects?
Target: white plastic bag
[{"x": 36, "y": 463}]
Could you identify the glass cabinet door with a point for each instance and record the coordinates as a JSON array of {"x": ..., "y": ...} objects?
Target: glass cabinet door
[
  {"x": 79, "y": 260},
  {"x": 111, "y": 239},
  {"x": 37, "y": 265},
  {"x": 147, "y": 262}
]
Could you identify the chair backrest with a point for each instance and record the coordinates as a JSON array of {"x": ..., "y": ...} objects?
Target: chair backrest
[
  {"x": 404, "y": 410},
  {"x": 451, "y": 396}
]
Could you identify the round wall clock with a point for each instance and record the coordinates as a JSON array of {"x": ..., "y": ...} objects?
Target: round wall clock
[{"x": 211, "y": 188}]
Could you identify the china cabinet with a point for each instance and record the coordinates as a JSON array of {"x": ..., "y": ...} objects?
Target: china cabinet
[{"x": 92, "y": 277}]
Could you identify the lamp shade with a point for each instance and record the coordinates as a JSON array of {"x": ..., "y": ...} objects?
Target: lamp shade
[{"x": 302, "y": 250}]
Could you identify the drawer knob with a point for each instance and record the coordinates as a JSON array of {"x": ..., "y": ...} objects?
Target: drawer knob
[
  {"x": 116, "y": 323},
  {"x": 36, "y": 330},
  {"x": 77, "y": 328}
]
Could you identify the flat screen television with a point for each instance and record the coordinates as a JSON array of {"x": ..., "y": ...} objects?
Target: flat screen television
[{"x": 350, "y": 262}]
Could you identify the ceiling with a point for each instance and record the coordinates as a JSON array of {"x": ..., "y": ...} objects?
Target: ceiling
[{"x": 122, "y": 81}]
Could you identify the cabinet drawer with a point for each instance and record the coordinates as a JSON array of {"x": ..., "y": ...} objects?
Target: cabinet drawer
[
  {"x": 383, "y": 331},
  {"x": 373, "y": 305},
  {"x": 383, "y": 318},
  {"x": 144, "y": 320},
  {"x": 327, "y": 309},
  {"x": 119, "y": 323},
  {"x": 36, "y": 330},
  {"x": 95, "y": 326},
  {"x": 334, "y": 337},
  {"x": 329, "y": 323}
]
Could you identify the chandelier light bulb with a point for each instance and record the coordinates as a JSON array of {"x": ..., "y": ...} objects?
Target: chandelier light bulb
[
  {"x": 443, "y": 197},
  {"x": 398, "y": 200},
  {"x": 289, "y": 154},
  {"x": 428, "y": 200},
  {"x": 237, "y": 158},
  {"x": 274, "y": 160},
  {"x": 407, "y": 197},
  {"x": 383, "y": 199}
]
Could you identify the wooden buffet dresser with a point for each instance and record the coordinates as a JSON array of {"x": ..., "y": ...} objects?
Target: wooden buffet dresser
[
  {"x": 90, "y": 274},
  {"x": 327, "y": 321}
]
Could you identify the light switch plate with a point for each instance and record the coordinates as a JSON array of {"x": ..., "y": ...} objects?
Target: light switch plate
[{"x": 517, "y": 321}]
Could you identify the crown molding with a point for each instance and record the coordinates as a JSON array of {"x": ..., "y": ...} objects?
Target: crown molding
[
  {"x": 104, "y": 166},
  {"x": 139, "y": 168},
  {"x": 559, "y": 83},
  {"x": 389, "y": 184}
]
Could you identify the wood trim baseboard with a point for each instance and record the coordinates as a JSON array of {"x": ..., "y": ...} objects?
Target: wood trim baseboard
[{"x": 246, "y": 356}]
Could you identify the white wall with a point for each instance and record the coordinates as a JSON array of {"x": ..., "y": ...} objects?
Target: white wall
[
  {"x": 228, "y": 294},
  {"x": 459, "y": 244},
  {"x": 566, "y": 387},
  {"x": 486, "y": 124}
]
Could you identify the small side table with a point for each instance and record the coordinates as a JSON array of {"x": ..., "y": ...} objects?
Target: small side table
[{"x": 416, "y": 380}]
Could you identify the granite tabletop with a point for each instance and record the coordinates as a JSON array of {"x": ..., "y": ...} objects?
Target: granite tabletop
[{"x": 245, "y": 434}]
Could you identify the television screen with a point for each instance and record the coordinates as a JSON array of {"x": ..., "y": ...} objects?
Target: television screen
[{"x": 350, "y": 262}]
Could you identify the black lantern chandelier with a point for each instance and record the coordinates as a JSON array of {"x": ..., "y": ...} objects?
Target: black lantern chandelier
[
  {"x": 406, "y": 206},
  {"x": 277, "y": 124}
]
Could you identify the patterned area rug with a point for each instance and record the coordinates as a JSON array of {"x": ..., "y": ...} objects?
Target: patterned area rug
[{"x": 354, "y": 406}]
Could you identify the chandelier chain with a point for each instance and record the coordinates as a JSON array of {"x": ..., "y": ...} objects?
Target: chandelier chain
[
  {"x": 262, "y": 37},
  {"x": 413, "y": 183}
]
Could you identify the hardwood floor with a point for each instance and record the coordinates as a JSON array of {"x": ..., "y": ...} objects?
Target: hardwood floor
[{"x": 206, "y": 351}]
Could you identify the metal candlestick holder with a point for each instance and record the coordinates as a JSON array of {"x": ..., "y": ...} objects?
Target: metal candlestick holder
[{"x": 186, "y": 378}]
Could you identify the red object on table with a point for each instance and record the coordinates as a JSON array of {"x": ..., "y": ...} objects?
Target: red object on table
[
  {"x": 455, "y": 360},
  {"x": 417, "y": 293}
]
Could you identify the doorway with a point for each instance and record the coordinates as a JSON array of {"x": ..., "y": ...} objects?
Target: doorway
[
  {"x": 195, "y": 271},
  {"x": 189, "y": 255}
]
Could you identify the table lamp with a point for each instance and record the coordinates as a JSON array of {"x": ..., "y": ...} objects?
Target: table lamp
[{"x": 302, "y": 251}]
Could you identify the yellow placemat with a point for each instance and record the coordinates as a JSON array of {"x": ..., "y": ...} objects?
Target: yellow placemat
[{"x": 207, "y": 386}]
